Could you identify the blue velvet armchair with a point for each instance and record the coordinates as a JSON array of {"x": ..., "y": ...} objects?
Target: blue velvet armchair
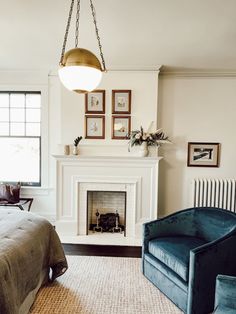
[
  {"x": 225, "y": 295},
  {"x": 184, "y": 252}
]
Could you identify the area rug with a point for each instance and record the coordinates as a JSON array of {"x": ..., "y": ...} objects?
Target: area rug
[{"x": 102, "y": 285}]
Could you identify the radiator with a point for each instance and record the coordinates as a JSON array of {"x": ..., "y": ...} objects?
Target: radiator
[{"x": 215, "y": 193}]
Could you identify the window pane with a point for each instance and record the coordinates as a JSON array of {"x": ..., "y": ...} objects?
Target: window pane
[
  {"x": 17, "y": 100},
  {"x": 4, "y": 114},
  {"x": 33, "y": 100},
  {"x": 21, "y": 159},
  {"x": 33, "y": 129},
  {"x": 17, "y": 129},
  {"x": 4, "y": 128},
  {"x": 17, "y": 115},
  {"x": 32, "y": 115},
  {"x": 4, "y": 100}
]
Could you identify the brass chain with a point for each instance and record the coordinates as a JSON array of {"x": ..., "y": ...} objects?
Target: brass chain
[
  {"x": 98, "y": 38},
  {"x": 67, "y": 31},
  {"x": 77, "y": 31},
  {"x": 77, "y": 24}
]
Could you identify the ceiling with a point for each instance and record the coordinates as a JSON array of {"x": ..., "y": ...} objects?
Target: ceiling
[{"x": 135, "y": 34}]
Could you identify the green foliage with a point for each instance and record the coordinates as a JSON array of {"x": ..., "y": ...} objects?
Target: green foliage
[{"x": 77, "y": 140}]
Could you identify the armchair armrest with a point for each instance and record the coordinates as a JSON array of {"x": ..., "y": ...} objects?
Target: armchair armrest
[
  {"x": 206, "y": 262},
  {"x": 225, "y": 294}
]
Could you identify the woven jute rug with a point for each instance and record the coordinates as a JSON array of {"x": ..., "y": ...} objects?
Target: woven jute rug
[{"x": 102, "y": 285}]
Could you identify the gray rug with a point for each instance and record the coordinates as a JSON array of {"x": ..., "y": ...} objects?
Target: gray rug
[{"x": 102, "y": 285}]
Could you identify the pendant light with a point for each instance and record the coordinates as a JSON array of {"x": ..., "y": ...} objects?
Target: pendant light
[{"x": 80, "y": 70}]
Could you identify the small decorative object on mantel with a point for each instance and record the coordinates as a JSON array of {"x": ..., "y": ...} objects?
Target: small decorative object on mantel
[
  {"x": 75, "y": 146},
  {"x": 145, "y": 139},
  {"x": 66, "y": 149}
]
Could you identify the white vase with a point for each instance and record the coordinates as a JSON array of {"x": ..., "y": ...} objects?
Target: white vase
[
  {"x": 143, "y": 150},
  {"x": 75, "y": 150}
]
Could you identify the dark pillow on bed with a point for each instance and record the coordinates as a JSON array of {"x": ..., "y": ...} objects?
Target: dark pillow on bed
[{"x": 10, "y": 193}]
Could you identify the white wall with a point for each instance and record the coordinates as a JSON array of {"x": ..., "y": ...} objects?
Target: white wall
[
  {"x": 144, "y": 87},
  {"x": 189, "y": 109},
  {"x": 201, "y": 109}
]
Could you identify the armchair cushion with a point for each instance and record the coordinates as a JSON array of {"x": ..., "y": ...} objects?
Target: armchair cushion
[{"x": 174, "y": 252}]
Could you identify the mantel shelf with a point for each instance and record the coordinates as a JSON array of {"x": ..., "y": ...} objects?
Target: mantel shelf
[{"x": 106, "y": 158}]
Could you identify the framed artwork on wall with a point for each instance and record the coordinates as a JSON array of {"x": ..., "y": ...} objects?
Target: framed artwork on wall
[
  {"x": 95, "y": 102},
  {"x": 94, "y": 127},
  {"x": 203, "y": 154},
  {"x": 120, "y": 127},
  {"x": 121, "y": 101}
]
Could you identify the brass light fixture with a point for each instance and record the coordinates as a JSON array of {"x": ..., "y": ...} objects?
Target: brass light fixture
[{"x": 80, "y": 70}]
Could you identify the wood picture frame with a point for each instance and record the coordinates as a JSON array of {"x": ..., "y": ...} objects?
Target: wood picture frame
[
  {"x": 95, "y": 102},
  {"x": 121, "y": 126},
  {"x": 203, "y": 154},
  {"x": 94, "y": 127},
  {"x": 121, "y": 101}
]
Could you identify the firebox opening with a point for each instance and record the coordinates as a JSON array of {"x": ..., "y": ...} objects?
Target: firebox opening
[{"x": 106, "y": 211}]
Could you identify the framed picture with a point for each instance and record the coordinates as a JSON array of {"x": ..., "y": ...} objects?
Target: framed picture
[
  {"x": 203, "y": 154},
  {"x": 95, "y": 127},
  {"x": 121, "y": 101},
  {"x": 95, "y": 102},
  {"x": 120, "y": 127}
]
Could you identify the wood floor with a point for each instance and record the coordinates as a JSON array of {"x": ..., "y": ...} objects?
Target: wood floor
[{"x": 102, "y": 250}]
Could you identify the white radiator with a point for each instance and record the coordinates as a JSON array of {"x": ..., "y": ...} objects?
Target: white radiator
[{"x": 215, "y": 193}]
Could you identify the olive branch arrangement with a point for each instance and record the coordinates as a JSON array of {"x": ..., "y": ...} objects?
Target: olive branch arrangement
[{"x": 156, "y": 138}]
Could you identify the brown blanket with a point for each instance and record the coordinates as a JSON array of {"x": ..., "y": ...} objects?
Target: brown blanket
[{"x": 30, "y": 255}]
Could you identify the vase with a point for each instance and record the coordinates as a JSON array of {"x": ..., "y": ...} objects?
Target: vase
[
  {"x": 143, "y": 150},
  {"x": 66, "y": 149},
  {"x": 75, "y": 150}
]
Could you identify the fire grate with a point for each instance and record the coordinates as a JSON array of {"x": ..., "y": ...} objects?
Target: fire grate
[{"x": 108, "y": 222}]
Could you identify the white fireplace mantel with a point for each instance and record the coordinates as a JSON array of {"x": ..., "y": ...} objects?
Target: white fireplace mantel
[{"x": 76, "y": 175}]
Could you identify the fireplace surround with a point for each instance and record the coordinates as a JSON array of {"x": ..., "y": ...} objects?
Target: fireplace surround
[{"x": 77, "y": 175}]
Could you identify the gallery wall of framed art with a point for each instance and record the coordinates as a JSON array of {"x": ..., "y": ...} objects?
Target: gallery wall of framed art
[{"x": 96, "y": 116}]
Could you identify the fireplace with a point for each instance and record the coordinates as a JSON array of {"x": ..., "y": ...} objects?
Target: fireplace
[
  {"x": 106, "y": 211},
  {"x": 132, "y": 178}
]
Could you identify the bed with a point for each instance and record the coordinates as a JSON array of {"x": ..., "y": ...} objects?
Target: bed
[{"x": 30, "y": 256}]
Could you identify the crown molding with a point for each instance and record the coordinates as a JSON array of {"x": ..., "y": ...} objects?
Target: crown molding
[
  {"x": 155, "y": 69},
  {"x": 195, "y": 73}
]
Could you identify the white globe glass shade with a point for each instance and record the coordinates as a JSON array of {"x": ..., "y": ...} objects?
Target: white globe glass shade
[{"x": 80, "y": 78}]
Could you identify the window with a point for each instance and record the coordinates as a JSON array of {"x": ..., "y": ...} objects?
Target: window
[{"x": 20, "y": 137}]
